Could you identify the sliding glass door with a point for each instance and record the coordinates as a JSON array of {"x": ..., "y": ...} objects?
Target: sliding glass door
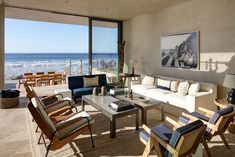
[{"x": 105, "y": 49}]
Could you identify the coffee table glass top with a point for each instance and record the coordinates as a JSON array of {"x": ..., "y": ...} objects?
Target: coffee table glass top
[
  {"x": 139, "y": 100},
  {"x": 103, "y": 103}
]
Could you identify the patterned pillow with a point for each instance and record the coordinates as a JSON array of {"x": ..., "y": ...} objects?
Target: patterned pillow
[
  {"x": 90, "y": 81},
  {"x": 183, "y": 88},
  {"x": 163, "y": 84},
  {"x": 194, "y": 88},
  {"x": 174, "y": 86},
  {"x": 148, "y": 80}
]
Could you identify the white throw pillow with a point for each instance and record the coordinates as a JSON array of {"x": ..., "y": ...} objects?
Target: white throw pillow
[
  {"x": 164, "y": 84},
  {"x": 194, "y": 88},
  {"x": 183, "y": 88},
  {"x": 174, "y": 86},
  {"x": 90, "y": 81},
  {"x": 148, "y": 80}
]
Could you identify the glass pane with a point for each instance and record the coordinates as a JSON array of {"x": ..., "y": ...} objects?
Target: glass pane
[
  {"x": 105, "y": 50},
  {"x": 38, "y": 46}
]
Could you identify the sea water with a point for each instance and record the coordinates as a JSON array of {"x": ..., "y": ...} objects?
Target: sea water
[{"x": 17, "y": 64}]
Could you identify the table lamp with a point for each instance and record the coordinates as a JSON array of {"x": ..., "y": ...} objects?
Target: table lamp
[
  {"x": 133, "y": 66},
  {"x": 229, "y": 82}
]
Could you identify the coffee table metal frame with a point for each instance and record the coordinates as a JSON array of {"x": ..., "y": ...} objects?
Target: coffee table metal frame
[{"x": 107, "y": 111}]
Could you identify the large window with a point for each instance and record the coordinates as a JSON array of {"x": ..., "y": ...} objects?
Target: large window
[
  {"x": 105, "y": 49},
  {"x": 73, "y": 46}
]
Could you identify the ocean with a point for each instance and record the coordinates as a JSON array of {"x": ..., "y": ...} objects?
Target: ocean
[{"x": 19, "y": 63}]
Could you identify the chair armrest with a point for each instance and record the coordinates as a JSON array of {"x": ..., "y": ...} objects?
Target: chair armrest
[
  {"x": 208, "y": 112},
  {"x": 146, "y": 128},
  {"x": 190, "y": 117},
  {"x": 51, "y": 96},
  {"x": 174, "y": 123}
]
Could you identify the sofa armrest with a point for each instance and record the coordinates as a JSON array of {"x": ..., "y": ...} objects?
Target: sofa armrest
[
  {"x": 200, "y": 99},
  {"x": 135, "y": 82}
]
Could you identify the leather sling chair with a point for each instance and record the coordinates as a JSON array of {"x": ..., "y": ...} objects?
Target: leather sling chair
[{"x": 63, "y": 132}]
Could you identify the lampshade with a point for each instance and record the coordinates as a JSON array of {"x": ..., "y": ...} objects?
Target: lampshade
[{"x": 229, "y": 81}]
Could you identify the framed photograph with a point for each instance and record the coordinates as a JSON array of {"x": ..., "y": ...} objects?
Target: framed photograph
[{"x": 180, "y": 50}]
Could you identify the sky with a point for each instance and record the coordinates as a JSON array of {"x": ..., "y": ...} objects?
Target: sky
[{"x": 24, "y": 36}]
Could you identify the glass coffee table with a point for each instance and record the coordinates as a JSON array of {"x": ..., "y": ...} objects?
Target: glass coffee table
[
  {"x": 102, "y": 104},
  {"x": 143, "y": 105}
]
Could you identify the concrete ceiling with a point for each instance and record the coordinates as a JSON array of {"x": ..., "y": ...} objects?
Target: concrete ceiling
[{"x": 110, "y": 9}]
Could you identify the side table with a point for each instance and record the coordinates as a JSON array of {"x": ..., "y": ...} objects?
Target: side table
[
  {"x": 222, "y": 103},
  {"x": 126, "y": 75}
]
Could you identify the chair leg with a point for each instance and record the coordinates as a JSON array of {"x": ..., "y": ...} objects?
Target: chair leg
[
  {"x": 48, "y": 149},
  {"x": 37, "y": 129},
  {"x": 206, "y": 148},
  {"x": 148, "y": 148},
  {"x": 224, "y": 140},
  {"x": 39, "y": 138},
  {"x": 92, "y": 141}
]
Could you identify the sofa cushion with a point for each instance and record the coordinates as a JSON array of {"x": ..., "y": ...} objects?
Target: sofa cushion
[
  {"x": 90, "y": 81},
  {"x": 183, "y": 88},
  {"x": 163, "y": 84},
  {"x": 157, "y": 93},
  {"x": 148, "y": 80},
  {"x": 82, "y": 91},
  {"x": 194, "y": 88},
  {"x": 174, "y": 85}
]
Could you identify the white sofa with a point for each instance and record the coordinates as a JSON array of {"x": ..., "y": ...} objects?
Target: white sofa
[{"x": 204, "y": 98}]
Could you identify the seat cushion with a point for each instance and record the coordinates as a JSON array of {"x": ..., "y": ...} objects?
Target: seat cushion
[
  {"x": 140, "y": 89},
  {"x": 161, "y": 131},
  {"x": 82, "y": 91},
  {"x": 82, "y": 122},
  {"x": 157, "y": 93}
]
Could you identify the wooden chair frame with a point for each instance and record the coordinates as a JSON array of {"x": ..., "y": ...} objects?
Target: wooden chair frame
[
  {"x": 154, "y": 142},
  {"x": 218, "y": 128},
  {"x": 56, "y": 143}
]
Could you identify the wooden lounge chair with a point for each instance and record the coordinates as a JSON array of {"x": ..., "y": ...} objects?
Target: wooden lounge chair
[
  {"x": 217, "y": 123},
  {"x": 44, "y": 80},
  {"x": 61, "y": 133},
  {"x": 51, "y": 104},
  {"x": 30, "y": 80},
  {"x": 57, "y": 79},
  {"x": 22, "y": 79},
  {"x": 39, "y": 73},
  {"x": 180, "y": 142}
]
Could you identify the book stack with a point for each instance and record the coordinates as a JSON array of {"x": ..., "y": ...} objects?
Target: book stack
[{"x": 121, "y": 105}]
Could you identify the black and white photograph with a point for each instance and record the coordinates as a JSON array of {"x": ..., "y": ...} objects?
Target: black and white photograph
[{"x": 180, "y": 50}]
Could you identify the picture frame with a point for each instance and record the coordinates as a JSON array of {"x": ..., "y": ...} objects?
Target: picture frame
[{"x": 180, "y": 50}]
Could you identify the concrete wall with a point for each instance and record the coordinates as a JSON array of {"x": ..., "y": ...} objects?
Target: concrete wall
[
  {"x": 1, "y": 46},
  {"x": 215, "y": 19}
]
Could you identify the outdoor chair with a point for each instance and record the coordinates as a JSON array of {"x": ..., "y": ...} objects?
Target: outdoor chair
[
  {"x": 44, "y": 80},
  {"x": 63, "y": 132},
  {"x": 217, "y": 123},
  {"x": 22, "y": 79},
  {"x": 39, "y": 73},
  {"x": 179, "y": 142},
  {"x": 30, "y": 80},
  {"x": 57, "y": 79}
]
